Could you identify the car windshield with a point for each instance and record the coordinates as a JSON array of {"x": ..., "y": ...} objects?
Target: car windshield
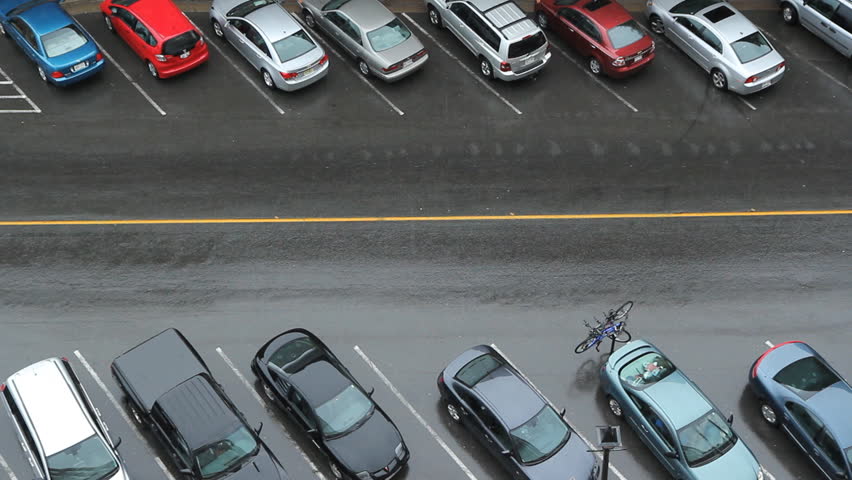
[
  {"x": 806, "y": 375},
  {"x": 293, "y": 46},
  {"x": 218, "y": 457},
  {"x": 625, "y": 34},
  {"x": 294, "y": 355},
  {"x": 526, "y": 45},
  {"x": 344, "y": 411},
  {"x": 751, "y": 47},
  {"x": 59, "y": 42},
  {"x": 540, "y": 436},
  {"x": 689, "y": 7},
  {"x": 646, "y": 370},
  {"x": 245, "y": 8},
  {"x": 87, "y": 460},
  {"x": 388, "y": 36},
  {"x": 180, "y": 43},
  {"x": 706, "y": 439}
]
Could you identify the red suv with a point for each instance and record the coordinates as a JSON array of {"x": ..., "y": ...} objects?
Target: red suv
[
  {"x": 159, "y": 33},
  {"x": 601, "y": 30}
]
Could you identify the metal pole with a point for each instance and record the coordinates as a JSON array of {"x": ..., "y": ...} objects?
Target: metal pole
[{"x": 605, "y": 466}]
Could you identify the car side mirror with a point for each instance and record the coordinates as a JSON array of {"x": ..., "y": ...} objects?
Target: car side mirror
[
  {"x": 185, "y": 471},
  {"x": 371, "y": 392},
  {"x": 841, "y": 474},
  {"x": 259, "y": 428},
  {"x": 731, "y": 419},
  {"x": 312, "y": 431},
  {"x": 113, "y": 10},
  {"x": 117, "y": 442},
  {"x": 507, "y": 453},
  {"x": 672, "y": 454}
]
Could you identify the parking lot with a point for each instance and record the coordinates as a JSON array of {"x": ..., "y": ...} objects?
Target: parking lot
[{"x": 181, "y": 182}]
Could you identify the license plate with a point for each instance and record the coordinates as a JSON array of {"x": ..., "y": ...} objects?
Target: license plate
[
  {"x": 79, "y": 66},
  {"x": 308, "y": 71},
  {"x": 766, "y": 85},
  {"x": 638, "y": 58},
  {"x": 528, "y": 61},
  {"x": 184, "y": 54},
  {"x": 407, "y": 63}
]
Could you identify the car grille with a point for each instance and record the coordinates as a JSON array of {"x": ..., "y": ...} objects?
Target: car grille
[{"x": 387, "y": 472}]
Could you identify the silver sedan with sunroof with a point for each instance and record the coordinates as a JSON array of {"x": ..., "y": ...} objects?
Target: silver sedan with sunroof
[
  {"x": 366, "y": 30},
  {"x": 270, "y": 39}
]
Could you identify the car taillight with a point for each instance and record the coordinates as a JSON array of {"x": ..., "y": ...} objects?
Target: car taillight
[
  {"x": 323, "y": 59},
  {"x": 505, "y": 67},
  {"x": 99, "y": 57},
  {"x": 653, "y": 45},
  {"x": 393, "y": 67},
  {"x": 751, "y": 79},
  {"x": 549, "y": 46},
  {"x": 57, "y": 74},
  {"x": 65, "y": 359},
  {"x": 2, "y": 387},
  {"x": 441, "y": 378},
  {"x": 619, "y": 62},
  {"x": 161, "y": 58},
  {"x": 780, "y": 66},
  {"x": 419, "y": 54},
  {"x": 760, "y": 359},
  {"x": 289, "y": 75}
]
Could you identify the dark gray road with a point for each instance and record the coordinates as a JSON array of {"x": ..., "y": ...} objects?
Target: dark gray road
[{"x": 709, "y": 291}]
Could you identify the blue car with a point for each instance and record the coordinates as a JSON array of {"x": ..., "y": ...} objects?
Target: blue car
[
  {"x": 64, "y": 53},
  {"x": 800, "y": 392},
  {"x": 673, "y": 417}
]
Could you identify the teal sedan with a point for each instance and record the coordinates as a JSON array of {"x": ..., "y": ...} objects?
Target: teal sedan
[{"x": 673, "y": 417}]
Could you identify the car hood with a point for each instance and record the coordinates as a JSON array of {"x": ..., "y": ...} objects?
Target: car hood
[
  {"x": 572, "y": 461},
  {"x": 407, "y": 48},
  {"x": 370, "y": 447},
  {"x": 738, "y": 463},
  {"x": 263, "y": 466}
]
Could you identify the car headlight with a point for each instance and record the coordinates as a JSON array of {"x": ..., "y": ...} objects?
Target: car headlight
[
  {"x": 364, "y": 476},
  {"x": 400, "y": 451}
]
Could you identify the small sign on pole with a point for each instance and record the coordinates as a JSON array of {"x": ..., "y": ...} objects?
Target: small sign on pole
[{"x": 609, "y": 439}]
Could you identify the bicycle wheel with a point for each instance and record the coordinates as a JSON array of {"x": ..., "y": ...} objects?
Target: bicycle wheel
[
  {"x": 586, "y": 344},
  {"x": 622, "y": 310},
  {"x": 623, "y": 336}
]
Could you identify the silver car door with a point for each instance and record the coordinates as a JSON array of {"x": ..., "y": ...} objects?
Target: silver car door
[
  {"x": 352, "y": 38},
  {"x": 464, "y": 33},
  {"x": 235, "y": 33},
  {"x": 258, "y": 50},
  {"x": 686, "y": 29},
  {"x": 335, "y": 23},
  {"x": 706, "y": 45}
]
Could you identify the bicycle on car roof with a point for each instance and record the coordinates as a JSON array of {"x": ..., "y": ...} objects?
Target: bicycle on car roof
[{"x": 613, "y": 326}]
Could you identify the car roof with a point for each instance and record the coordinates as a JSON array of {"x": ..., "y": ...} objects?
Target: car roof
[
  {"x": 199, "y": 412},
  {"x": 831, "y": 405},
  {"x": 275, "y": 22},
  {"x": 367, "y": 14},
  {"x": 506, "y": 16},
  {"x": 609, "y": 15},
  {"x": 731, "y": 28},
  {"x": 46, "y": 18},
  {"x": 509, "y": 396},
  {"x": 677, "y": 398},
  {"x": 319, "y": 381},
  {"x": 162, "y": 16},
  {"x": 52, "y": 407}
]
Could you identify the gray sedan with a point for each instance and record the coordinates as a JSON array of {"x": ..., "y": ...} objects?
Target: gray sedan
[
  {"x": 271, "y": 40},
  {"x": 720, "y": 39},
  {"x": 381, "y": 44}
]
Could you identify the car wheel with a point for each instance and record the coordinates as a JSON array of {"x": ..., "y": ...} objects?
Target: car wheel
[
  {"x": 267, "y": 79},
  {"x": 485, "y": 68},
  {"x": 42, "y": 74},
  {"x": 309, "y": 19},
  {"x": 720, "y": 81},
  {"x": 615, "y": 407},
  {"x": 217, "y": 29},
  {"x": 454, "y": 412},
  {"x": 153, "y": 70},
  {"x": 435, "y": 17},
  {"x": 657, "y": 25},
  {"x": 541, "y": 19},
  {"x": 335, "y": 470},
  {"x": 768, "y": 414},
  {"x": 595, "y": 66},
  {"x": 363, "y": 68},
  {"x": 108, "y": 22},
  {"x": 789, "y": 14}
]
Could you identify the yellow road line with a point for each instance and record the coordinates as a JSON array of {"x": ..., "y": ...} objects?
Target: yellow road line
[{"x": 450, "y": 218}]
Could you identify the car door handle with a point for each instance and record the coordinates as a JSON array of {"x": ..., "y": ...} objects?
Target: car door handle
[
  {"x": 823, "y": 24},
  {"x": 593, "y": 47},
  {"x": 571, "y": 30},
  {"x": 642, "y": 427},
  {"x": 832, "y": 30}
]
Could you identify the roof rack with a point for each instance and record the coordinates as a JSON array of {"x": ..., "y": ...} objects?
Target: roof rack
[
  {"x": 495, "y": 7},
  {"x": 510, "y": 24}
]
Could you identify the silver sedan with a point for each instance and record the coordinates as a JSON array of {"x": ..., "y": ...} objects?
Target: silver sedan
[
  {"x": 381, "y": 44},
  {"x": 720, "y": 39},
  {"x": 269, "y": 38}
]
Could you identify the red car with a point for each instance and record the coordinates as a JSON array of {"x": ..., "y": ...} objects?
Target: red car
[
  {"x": 602, "y": 31},
  {"x": 159, "y": 33}
]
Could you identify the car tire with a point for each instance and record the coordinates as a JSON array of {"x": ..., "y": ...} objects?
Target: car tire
[
  {"x": 267, "y": 79},
  {"x": 153, "y": 70},
  {"x": 485, "y": 68},
  {"x": 720, "y": 81},
  {"x": 595, "y": 66},
  {"x": 42, "y": 74},
  {"x": 657, "y": 25},
  {"x": 541, "y": 20},
  {"x": 789, "y": 14},
  {"x": 2, "y": 30},
  {"x": 614, "y": 407},
  {"x": 454, "y": 412},
  {"x": 309, "y": 19},
  {"x": 435, "y": 17},
  {"x": 363, "y": 68},
  {"x": 335, "y": 470},
  {"x": 768, "y": 414},
  {"x": 217, "y": 29},
  {"x": 108, "y": 22}
]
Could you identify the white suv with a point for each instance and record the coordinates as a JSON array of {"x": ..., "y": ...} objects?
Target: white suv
[{"x": 60, "y": 431}]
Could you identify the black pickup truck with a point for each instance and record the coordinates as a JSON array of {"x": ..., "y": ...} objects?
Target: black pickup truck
[{"x": 171, "y": 392}]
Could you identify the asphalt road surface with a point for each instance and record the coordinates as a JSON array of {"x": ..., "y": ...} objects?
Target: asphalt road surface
[{"x": 710, "y": 291}]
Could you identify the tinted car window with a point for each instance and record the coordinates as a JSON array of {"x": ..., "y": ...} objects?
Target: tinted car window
[
  {"x": 711, "y": 39},
  {"x": 751, "y": 47},
  {"x": 540, "y": 436},
  {"x": 64, "y": 40},
  {"x": 810, "y": 424},
  {"x": 588, "y": 27},
  {"x": 334, "y": 4},
  {"x": 829, "y": 446},
  {"x": 126, "y": 17},
  {"x": 344, "y": 411},
  {"x": 706, "y": 439},
  {"x": 144, "y": 34},
  {"x": 388, "y": 36},
  {"x": 291, "y": 351},
  {"x": 88, "y": 459},
  {"x": 245, "y": 8},
  {"x": 477, "y": 369},
  {"x": 293, "y": 46},
  {"x": 691, "y": 6},
  {"x": 806, "y": 375},
  {"x": 843, "y": 18},
  {"x": 646, "y": 370},
  {"x": 484, "y": 31},
  {"x": 825, "y": 7},
  {"x": 25, "y": 30},
  {"x": 625, "y": 34},
  {"x": 718, "y": 14},
  {"x": 184, "y": 41},
  {"x": 219, "y": 456},
  {"x": 527, "y": 45}
]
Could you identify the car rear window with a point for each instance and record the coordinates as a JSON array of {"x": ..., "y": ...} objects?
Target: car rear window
[
  {"x": 625, "y": 34},
  {"x": 689, "y": 7},
  {"x": 808, "y": 375},
  {"x": 751, "y": 47},
  {"x": 388, "y": 36},
  {"x": 62, "y": 41},
  {"x": 291, "y": 351},
  {"x": 646, "y": 370},
  {"x": 527, "y": 45},
  {"x": 177, "y": 45},
  {"x": 245, "y": 8},
  {"x": 477, "y": 369},
  {"x": 293, "y": 46}
]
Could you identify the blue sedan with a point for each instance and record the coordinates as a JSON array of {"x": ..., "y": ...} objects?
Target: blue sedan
[
  {"x": 673, "y": 417},
  {"x": 64, "y": 53},
  {"x": 800, "y": 392}
]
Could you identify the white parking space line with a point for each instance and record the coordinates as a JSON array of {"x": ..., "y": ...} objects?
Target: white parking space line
[
  {"x": 163, "y": 467},
  {"x": 7, "y": 469},
  {"x": 130, "y": 79},
  {"x": 263, "y": 404},
  {"x": 411, "y": 409},
  {"x": 582, "y": 437},
  {"x": 328, "y": 47},
  {"x": 12, "y": 96},
  {"x": 117, "y": 406},
  {"x": 21, "y": 95},
  {"x": 800, "y": 57},
  {"x": 746, "y": 102},
  {"x": 465, "y": 67},
  {"x": 237, "y": 68},
  {"x": 769, "y": 344},
  {"x": 596, "y": 79}
]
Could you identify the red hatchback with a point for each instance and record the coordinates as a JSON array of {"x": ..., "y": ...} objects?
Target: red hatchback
[
  {"x": 602, "y": 31},
  {"x": 159, "y": 33}
]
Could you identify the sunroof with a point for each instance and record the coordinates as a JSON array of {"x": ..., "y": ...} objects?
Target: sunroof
[
  {"x": 596, "y": 4},
  {"x": 719, "y": 13}
]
